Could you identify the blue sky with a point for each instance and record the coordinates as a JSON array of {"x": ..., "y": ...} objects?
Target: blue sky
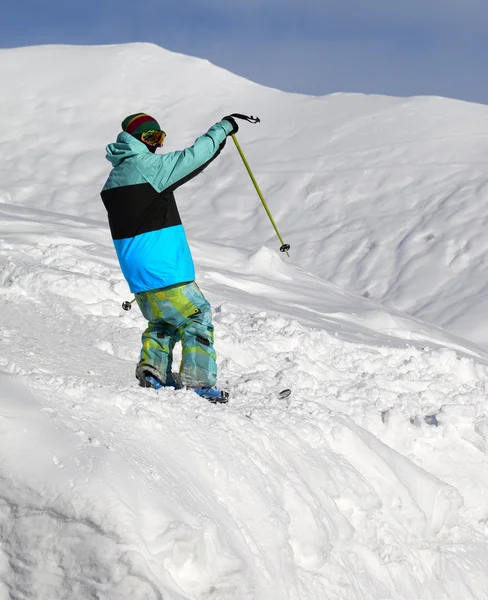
[{"x": 402, "y": 48}]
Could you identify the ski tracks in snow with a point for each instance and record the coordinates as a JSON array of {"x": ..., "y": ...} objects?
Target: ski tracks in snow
[{"x": 341, "y": 491}]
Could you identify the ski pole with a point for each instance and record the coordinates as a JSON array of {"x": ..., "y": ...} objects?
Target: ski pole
[{"x": 284, "y": 247}]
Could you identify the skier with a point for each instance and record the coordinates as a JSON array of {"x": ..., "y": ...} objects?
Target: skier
[{"x": 153, "y": 251}]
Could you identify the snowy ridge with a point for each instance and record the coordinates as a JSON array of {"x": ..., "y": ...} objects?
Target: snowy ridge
[{"x": 368, "y": 483}]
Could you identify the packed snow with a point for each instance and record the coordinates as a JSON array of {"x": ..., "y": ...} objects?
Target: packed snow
[{"x": 370, "y": 481}]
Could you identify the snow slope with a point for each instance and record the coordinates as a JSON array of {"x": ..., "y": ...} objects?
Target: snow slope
[
  {"x": 369, "y": 482},
  {"x": 386, "y": 197}
]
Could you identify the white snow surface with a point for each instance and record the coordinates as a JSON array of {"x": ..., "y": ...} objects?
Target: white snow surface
[{"x": 370, "y": 482}]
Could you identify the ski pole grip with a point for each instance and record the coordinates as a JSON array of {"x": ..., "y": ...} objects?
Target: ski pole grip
[{"x": 246, "y": 118}]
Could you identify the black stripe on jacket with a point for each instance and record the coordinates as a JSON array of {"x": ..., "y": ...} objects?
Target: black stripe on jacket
[{"x": 136, "y": 209}]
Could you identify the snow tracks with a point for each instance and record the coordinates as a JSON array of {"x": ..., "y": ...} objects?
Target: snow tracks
[{"x": 367, "y": 483}]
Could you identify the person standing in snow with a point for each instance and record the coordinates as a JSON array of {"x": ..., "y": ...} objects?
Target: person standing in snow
[{"x": 153, "y": 251}]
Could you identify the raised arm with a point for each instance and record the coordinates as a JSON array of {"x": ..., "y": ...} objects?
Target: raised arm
[{"x": 164, "y": 171}]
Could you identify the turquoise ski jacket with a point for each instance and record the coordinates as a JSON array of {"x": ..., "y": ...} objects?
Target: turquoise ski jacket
[{"x": 146, "y": 228}]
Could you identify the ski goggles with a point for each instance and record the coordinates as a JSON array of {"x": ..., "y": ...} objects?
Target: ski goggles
[{"x": 153, "y": 137}]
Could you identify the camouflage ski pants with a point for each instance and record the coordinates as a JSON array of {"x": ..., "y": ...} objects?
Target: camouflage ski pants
[{"x": 179, "y": 313}]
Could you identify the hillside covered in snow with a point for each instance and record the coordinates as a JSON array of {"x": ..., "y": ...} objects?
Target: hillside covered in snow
[
  {"x": 370, "y": 481},
  {"x": 385, "y": 197}
]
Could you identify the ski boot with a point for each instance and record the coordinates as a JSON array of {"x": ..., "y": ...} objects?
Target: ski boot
[
  {"x": 213, "y": 394},
  {"x": 149, "y": 377}
]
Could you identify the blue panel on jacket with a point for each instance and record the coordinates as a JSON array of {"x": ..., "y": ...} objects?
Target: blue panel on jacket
[{"x": 156, "y": 259}]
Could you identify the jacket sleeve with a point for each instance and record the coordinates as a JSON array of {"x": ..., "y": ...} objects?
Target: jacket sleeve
[{"x": 171, "y": 170}]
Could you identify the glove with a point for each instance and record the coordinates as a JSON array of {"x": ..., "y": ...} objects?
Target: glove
[{"x": 232, "y": 121}]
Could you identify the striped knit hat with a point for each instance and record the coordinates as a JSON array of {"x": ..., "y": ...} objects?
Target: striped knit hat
[{"x": 139, "y": 123}]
